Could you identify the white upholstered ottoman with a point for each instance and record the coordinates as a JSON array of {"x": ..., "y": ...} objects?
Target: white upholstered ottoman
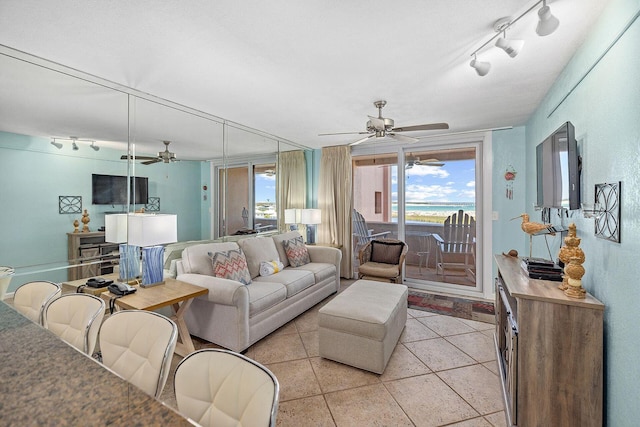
[{"x": 360, "y": 327}]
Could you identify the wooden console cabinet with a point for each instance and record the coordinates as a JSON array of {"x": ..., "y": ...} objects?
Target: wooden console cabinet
[
  {"x": 91, "y": 253},
  {"x": 549, "y": 351}
]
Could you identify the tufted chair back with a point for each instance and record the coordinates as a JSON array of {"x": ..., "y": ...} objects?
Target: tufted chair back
[
  {"x": 76, "y": 318},
  {"x": 139, "y": 346},
  {"x": 219, "y": 387},
  {"x": 31, "y": 298}
]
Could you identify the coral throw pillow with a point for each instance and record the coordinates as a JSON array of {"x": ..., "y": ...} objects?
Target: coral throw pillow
[
  {"x": 297, "y": 253},
  {"x": 231, "y": 265}
]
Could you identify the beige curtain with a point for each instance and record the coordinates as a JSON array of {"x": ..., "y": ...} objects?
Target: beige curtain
[
  {"x": 334, "y": 200},
  {"x": 291, "y": 181}
]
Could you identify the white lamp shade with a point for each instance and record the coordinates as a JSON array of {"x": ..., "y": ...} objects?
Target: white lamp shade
[
  {"x": 547, "y": 23},
  {"x": 310, "y": 216},
  {"x": 482, "y": 68},
  {"x": 292, "y": 216},
  {"x": 151, "y": 230},
  {"x": 512, "y": 46},
  {"x": 115, "y": 228}
]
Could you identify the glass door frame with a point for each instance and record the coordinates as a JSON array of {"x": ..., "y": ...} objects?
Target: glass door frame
[{"x": 482, "y": 142}]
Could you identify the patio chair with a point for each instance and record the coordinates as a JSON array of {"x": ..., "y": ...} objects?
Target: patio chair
[
  {"x": 455, "y": 249},
  {"x": 363, "y": 233}
]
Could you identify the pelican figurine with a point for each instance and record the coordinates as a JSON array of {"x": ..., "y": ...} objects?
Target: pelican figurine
[{"x": 532, "y": 228}]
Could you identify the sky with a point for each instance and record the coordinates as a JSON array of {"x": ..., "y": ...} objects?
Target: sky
[
  {"x": 453, "y": 182},
  {"x": 265, "y": 188}
]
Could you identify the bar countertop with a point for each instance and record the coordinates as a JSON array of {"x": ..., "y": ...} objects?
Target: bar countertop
[{"x": 45, "y": 381}]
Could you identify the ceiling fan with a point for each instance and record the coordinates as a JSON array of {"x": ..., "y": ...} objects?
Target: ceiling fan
[
  {"x": 378, "y": 127},
  {"x": 163, "y": 156},
  {"x": 415, "y": 161}
]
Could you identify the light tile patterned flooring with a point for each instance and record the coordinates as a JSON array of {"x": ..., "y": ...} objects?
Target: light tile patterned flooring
[{"x": 442, "y": 373}]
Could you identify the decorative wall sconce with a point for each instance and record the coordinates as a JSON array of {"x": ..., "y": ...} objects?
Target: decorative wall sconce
[
  {"x": 592, "y": 211},
  {"x": 608, "y": 223}
]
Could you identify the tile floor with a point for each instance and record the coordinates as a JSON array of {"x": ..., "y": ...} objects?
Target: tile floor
[{"x": 442, "y": 372}]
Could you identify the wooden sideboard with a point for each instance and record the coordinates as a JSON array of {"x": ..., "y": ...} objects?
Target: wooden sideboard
[
  {"x": 549, "y": 351},
  {"x": 91, "y": 253}
]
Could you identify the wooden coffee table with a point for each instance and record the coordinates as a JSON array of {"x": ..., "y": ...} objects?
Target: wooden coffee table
[{"x": 173, "y": 293}]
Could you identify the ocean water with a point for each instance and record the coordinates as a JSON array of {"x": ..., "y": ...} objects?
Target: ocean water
[{"x": 435, "y": 208}]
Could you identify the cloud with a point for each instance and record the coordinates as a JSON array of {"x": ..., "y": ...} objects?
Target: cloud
[
  {"x": 427, "y": 171},
  {"x": 428, "y": 193},
  {"x": 471, "y": 184}
]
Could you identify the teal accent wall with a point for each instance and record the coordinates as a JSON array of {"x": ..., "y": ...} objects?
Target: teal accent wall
[
  {"x": 34, "y": 173},
  {"x": 604, "y": 107},
  {"x": 509, "y": 150}
]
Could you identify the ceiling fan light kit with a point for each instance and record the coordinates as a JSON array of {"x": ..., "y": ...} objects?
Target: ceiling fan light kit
[{"x": 547, "y": 24}]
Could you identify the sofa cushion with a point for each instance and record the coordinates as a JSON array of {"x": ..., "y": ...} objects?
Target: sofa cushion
[
  {"x": 320, "y": 270},
  {"x": 256, "y": 250},
  {"x": 265, "y": 295},
  {"x": 267, "y": 268},
  {"x": 279, "y": 240},
  {"x": 231, "y": 265},
  {"x": 386, "y": 252},
  {"x": 293, "y": 279},
  {"x": 195, "y": 259},
  {"x": 297, "y": 253}
]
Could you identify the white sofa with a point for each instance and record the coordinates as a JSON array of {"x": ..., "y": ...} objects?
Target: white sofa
[{"x": 234, "y": 315}]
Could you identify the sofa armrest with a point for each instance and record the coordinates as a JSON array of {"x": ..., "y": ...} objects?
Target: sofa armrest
[
  {"x": 325, "y": 254},
  {"x": 221, "y": 291}
]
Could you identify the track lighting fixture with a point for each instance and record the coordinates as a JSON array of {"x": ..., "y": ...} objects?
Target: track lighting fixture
[
  {"x": 58, "y": 145},
  {"x": 511, "y": 46},
  {"x": 95, "y": 147},
  {"x": 547, "y": 23},
  {"x": 482, "y": 68}
]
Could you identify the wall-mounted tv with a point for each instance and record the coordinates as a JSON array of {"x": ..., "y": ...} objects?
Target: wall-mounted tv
[
  {"x": 558, "y": 170},
  {"x": 112, "y": 190}
]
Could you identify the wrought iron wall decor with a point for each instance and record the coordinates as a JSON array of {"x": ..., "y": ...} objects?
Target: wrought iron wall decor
[
  {"x": 69, "y": 204},
  {"x": 153, "y": 204},
  {"x": 608, "y": 224}
]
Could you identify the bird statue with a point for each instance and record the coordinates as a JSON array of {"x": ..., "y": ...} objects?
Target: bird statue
[{"x": 532, "y": 228}]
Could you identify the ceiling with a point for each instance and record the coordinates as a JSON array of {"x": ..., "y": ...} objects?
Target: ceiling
[{"x": 294, "y": 69}]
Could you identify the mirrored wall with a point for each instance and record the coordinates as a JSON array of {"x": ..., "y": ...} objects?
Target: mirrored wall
[{"x": 62, "y": 133}]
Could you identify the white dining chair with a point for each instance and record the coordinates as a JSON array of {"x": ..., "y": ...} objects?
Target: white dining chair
[
  {"x": 220, "y": 387},
  {"x": 138, "y": 345},
  {"x": 76, "y": 318},
  {"x": 31, "y": 298}
]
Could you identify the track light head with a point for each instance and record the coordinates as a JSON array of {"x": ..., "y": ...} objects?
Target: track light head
[
  {"x": 58, "y": 145},
  {"x": 547, "y": 23},
  {"x": 511, "y": 46},
  {"x": 482, "y": 68},
  {"x": 74, "y": 146},
  {"x": 95, "y": 147}
]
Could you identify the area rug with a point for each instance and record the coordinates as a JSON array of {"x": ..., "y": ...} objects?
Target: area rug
[{"x": 452, "y": 306}]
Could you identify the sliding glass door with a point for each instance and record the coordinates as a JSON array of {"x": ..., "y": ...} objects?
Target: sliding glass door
[{"x": 439, "y": 210}]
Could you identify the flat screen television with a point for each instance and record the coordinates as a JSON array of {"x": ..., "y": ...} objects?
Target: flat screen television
[
  {"x": 558, "y": 170},
  {"x": 112, "y": 190}
]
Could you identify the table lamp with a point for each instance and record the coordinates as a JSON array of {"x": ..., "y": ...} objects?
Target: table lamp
[
  {"x": 310, "y": 218},
  {"x": 149, "y": 231},
  {"x": 292, "y": 217},
  {"x": 116, "y": 232}
]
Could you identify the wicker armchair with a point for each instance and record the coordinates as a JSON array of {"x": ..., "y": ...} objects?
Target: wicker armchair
[{"x": 382, "y": 260}]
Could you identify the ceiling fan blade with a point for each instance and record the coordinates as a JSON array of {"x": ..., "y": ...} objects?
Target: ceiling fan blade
[
  {"x": 402, "y": 138},
  {"x": 343, "y": 133},
  {"x": 377, "y": 122},
  {"x": 362, "y": 140},
  {"x": 431, "y": 164},
  {"x": 431, "y": 126},
  {"x": 150, "y": 162},
  {"x": 125, "y": 157}
]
